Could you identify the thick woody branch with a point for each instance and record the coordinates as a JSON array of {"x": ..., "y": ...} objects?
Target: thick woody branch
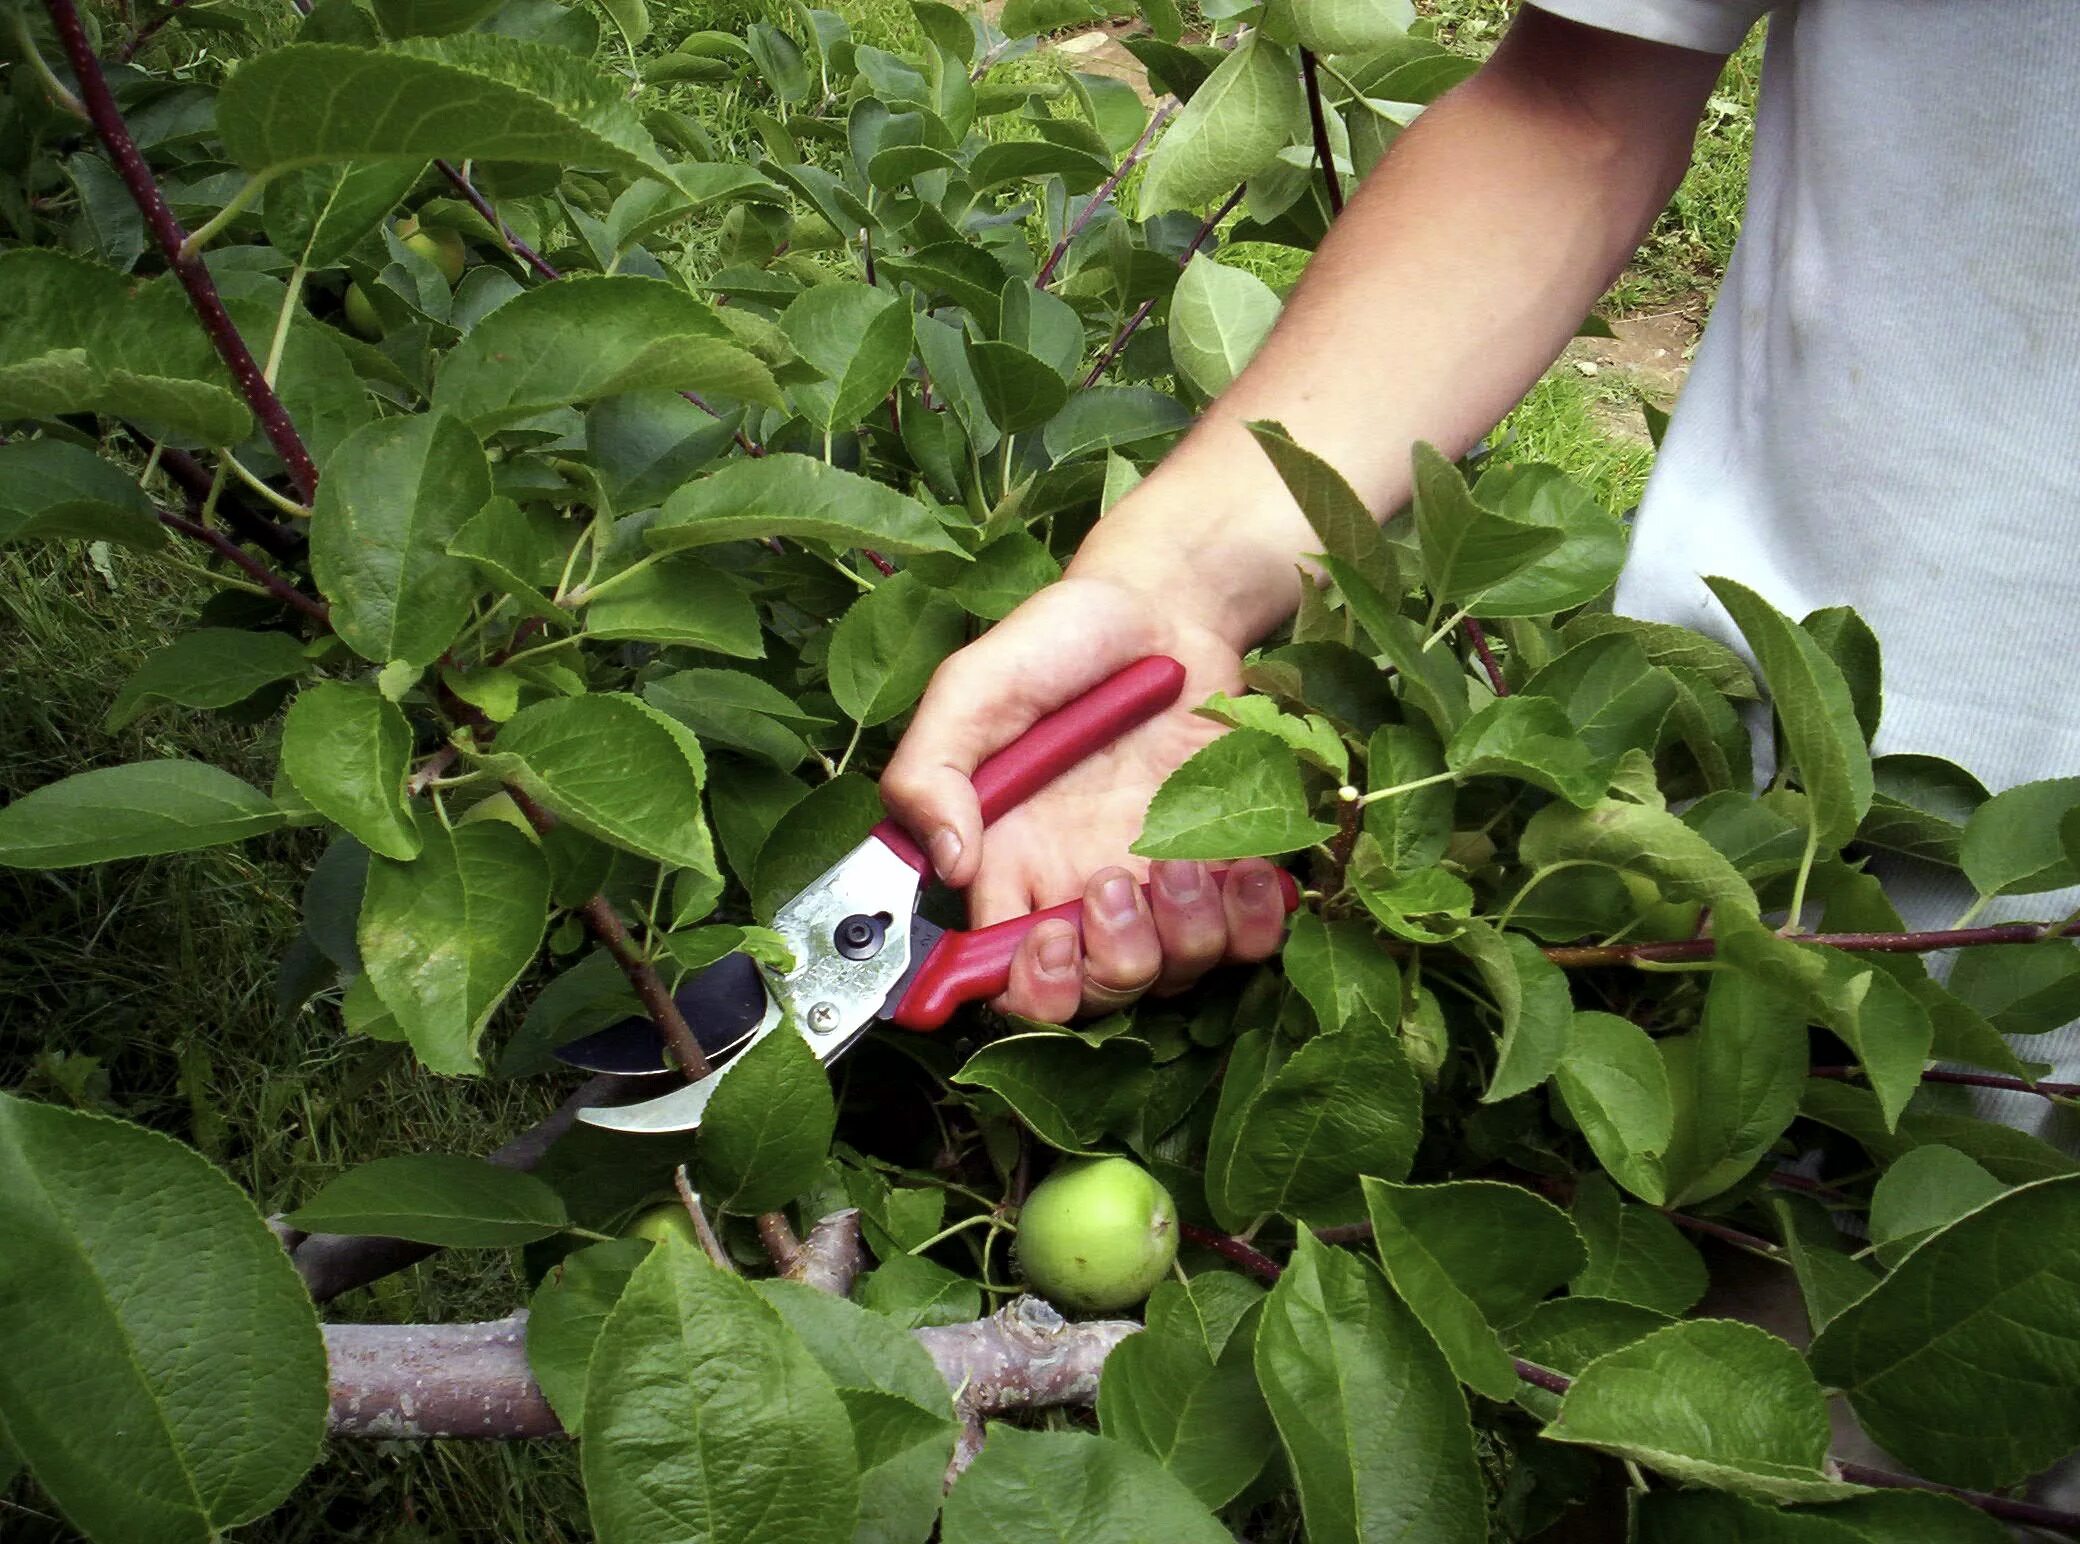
[
  {"x": 473, "y": 1380},
  {"x": 332, "y": 1263},
  {"x": 171, "y": 240},
  {"x": 832, "y": 1256}
]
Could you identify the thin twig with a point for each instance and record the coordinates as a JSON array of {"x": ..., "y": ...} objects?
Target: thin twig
[
  {"x": 171, "y": 239},
  {"x": 148, "y": 31},
  {"x": 2003, "y": 1507},
  {"x": 1964, "y": 1079},
  {"x": 1128, "y": 327},
  {"x": 1577, "y": 956},
  {"x": 1752, "y": 1243},
  {"x": 1477, "y": 635},
  {"x": 1104, "y": 192},
  {"x": 1319, "y": 121},
  {"x": 702, "y": 1228},
  {"x": 195, "y": 479},
  {"x": 1251, "y": 1259},
  {"x": 281, "y": 589}
]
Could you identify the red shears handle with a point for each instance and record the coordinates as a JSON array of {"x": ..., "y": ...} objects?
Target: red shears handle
[{"x": 974, "y": 966}]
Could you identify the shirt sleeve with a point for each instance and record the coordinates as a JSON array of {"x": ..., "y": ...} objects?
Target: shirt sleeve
[{"x": 1710, "y": 26}]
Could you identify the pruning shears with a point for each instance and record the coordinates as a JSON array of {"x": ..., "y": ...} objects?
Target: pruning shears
[{"x": 861, "y": 951}]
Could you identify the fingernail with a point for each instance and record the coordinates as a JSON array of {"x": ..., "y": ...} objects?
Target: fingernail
[
  {"x": 1255, "y": 887},
  {"x": 946, "y": 850},
  {"x": 1180, "y": 880},
  {"x": 1116, "y": 899},
  {"x": 1058, "y": 951}
]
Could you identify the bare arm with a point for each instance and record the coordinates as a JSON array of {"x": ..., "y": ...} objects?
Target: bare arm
[{"x": 1457, "y": 274}]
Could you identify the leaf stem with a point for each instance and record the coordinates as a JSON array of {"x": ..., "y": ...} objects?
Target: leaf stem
[
  {"x": 171, "y": 240},
  {"x": 59, "y": 93},
  {"x": 237, "y": 205},
  {"x": 282, "y": 320},
  {"x": 1319, "y": 121},
  {"x": 585, "y": 594},
  {"x": 961, "y": 1227},
  {"x": 247, "y": 476},
  {"x": 1377, "y": 794}
]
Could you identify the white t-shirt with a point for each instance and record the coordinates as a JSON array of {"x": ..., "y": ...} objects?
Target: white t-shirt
[{"x": 1885, "y": 409}]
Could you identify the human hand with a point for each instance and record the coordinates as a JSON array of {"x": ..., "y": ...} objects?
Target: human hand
[{"x": 1071, "y": 839}]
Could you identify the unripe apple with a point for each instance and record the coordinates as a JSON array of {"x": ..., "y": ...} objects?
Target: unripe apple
[
  {"x": 666, "y": 1220},
  {"x": 443, "y": 248},
  {"x": 1097, "y": 1235},
  {"x": 360, "y": 312}
]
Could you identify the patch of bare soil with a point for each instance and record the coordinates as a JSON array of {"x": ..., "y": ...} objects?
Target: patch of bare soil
[{"x": 1649, "y": 358}]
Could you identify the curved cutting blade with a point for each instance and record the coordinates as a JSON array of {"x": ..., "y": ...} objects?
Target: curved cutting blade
[{"x": 722, "y": 1005}]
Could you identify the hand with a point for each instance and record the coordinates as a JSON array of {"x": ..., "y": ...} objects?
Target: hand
[{"x": 1072, "y": 837}]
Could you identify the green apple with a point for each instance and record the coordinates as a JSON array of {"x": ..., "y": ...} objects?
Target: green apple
[
  {"x": 1097, "y": 1235},
  {"x": 666, "y": 1220},
  {"x": 442, "y": 248},
  {"x": 361, "y": 315}
]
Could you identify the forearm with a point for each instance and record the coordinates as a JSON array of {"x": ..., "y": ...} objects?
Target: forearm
[{"x": 1455, "y": 276}]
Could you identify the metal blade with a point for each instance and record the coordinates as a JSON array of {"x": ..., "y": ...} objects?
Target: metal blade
[{"x": 722, "y": 1005}]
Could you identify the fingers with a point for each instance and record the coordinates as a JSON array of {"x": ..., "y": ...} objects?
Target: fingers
[{"x": 1166, "y": 938}]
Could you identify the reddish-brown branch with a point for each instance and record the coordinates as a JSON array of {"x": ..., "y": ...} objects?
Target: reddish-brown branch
[
  {"x": 2003, "y": 1507},
  {"x": 278, "y": 540},
  {"x": 1099, "y": 198},
  {"x": 1719, "y": 1230},
  {"x": 1541, "y": 1377},
  {"x": 1963, "y": 1079},
  {"x": 1477, "y": 635},
  {"x": 148, "y": 31},
  {"x": 1578, "y": 956},
  {"x": 1319, "y": 121},
  {"x": 281, "y": 589},
  {"x": 171, "y": 239},
  {"x": 882, "y": 566},
  {"x": 1253, "y": 1260},
  {"x": 1141, "y": 313}
]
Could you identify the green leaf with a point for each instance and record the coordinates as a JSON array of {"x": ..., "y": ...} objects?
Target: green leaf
[
  {"x": 1702, "y": 1517},
  {"x": 732, "y": 708},
  {"x": 1017, "y": 390},
  {"x": 2012, "y": 843},
  {"x": 767, "y": 1130},
  {"x": 2021, "y": 989},
  {"x": 146, "y": 1298},
  {"x": 1068, "y": 1487},
  {"x": 914, "y": 1292},
  {"x": 680, "y": 601},
  {"x": 1612, "y": 1080},
  {"x": 647, "y": 443},
  {"x": 1342, "y": 971},
  {"x": 588, "y": 338},
  {"x": 1671, "y": 647},
  {"x": 1822, "y": 737},
  {"x": 902, "y": 1418},
  {"x": 1344, "y": 1104},
  {"x": 1848, "y": 640},
  {"x": 1432, "y": 680},
  {"x": 1632, "y": 837},
  {"x": 564, "y": 1318},
  {"x": 814, "y": 832},
  {"x": 1585, "y": 563},
  {"x": 1370, "y": 1416},
  {"x": 1635, "y": 1254},
  {"x": 1829, "y": 1277},
  {"x": 212, "y": 667},
  {"x": 133, "y": 811},
  {"x": 1920, "y": 807},
  {"x": 1428, "y": 906},
  {"x": 76, "y": 337},
  {"x": 1531, "y": 740},
  {"x": 476, "y": 96},
  {"x": 1024, "y": 18},
  {"x": 1412, "y": 828},
  {"x": 1707, "y": 1402},
  {"x": 436, "y": 1198},
  {"x": 1343, "y": 525},
  {"x": 1467, "y": 548},
  {"x": 1733, "y": 1082},
  {"x": 614, "y": 767},
  {"x": 1964, "y": 1363},
  {"x": 1102, "y": 417},
  {"x": 1313, "y": 738},
  {"x": 444, "y": 937},
  {"x": 1341, "y": 26},
  {"x": 884, "y": 649},
  {"x": 1069, "y": 1091},
  {"x": 707, "y": 1418},
  {"x": 1536, "y": 1005},
  {"x": 1925, "y": 1189},
  {"x": 859, "y": 337},
  {"x": 1615, "y": 697},
  {"x": 518, "y": 553},
  {"x": 1009, "y": 160},
  {"x": 790, "y": 495},
  {"x": 1232, "y": 128},
  {"x": 1184, "y": 1390},
  {"x": 1239, "y": 797},
  {"x": 1566, "y": 1334},
  {"x": 1471, "y": 1257},
  {"x": 1219, "y": 316},
  {"x": 53, "y": 491},
  {"x": 392, "y": 497},
  {"x": 321, "y": 213},
  {"x": 346, "y": 748}
]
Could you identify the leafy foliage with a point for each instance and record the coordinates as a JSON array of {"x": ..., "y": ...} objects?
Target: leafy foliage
[{"x": 790, "y": 361}]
